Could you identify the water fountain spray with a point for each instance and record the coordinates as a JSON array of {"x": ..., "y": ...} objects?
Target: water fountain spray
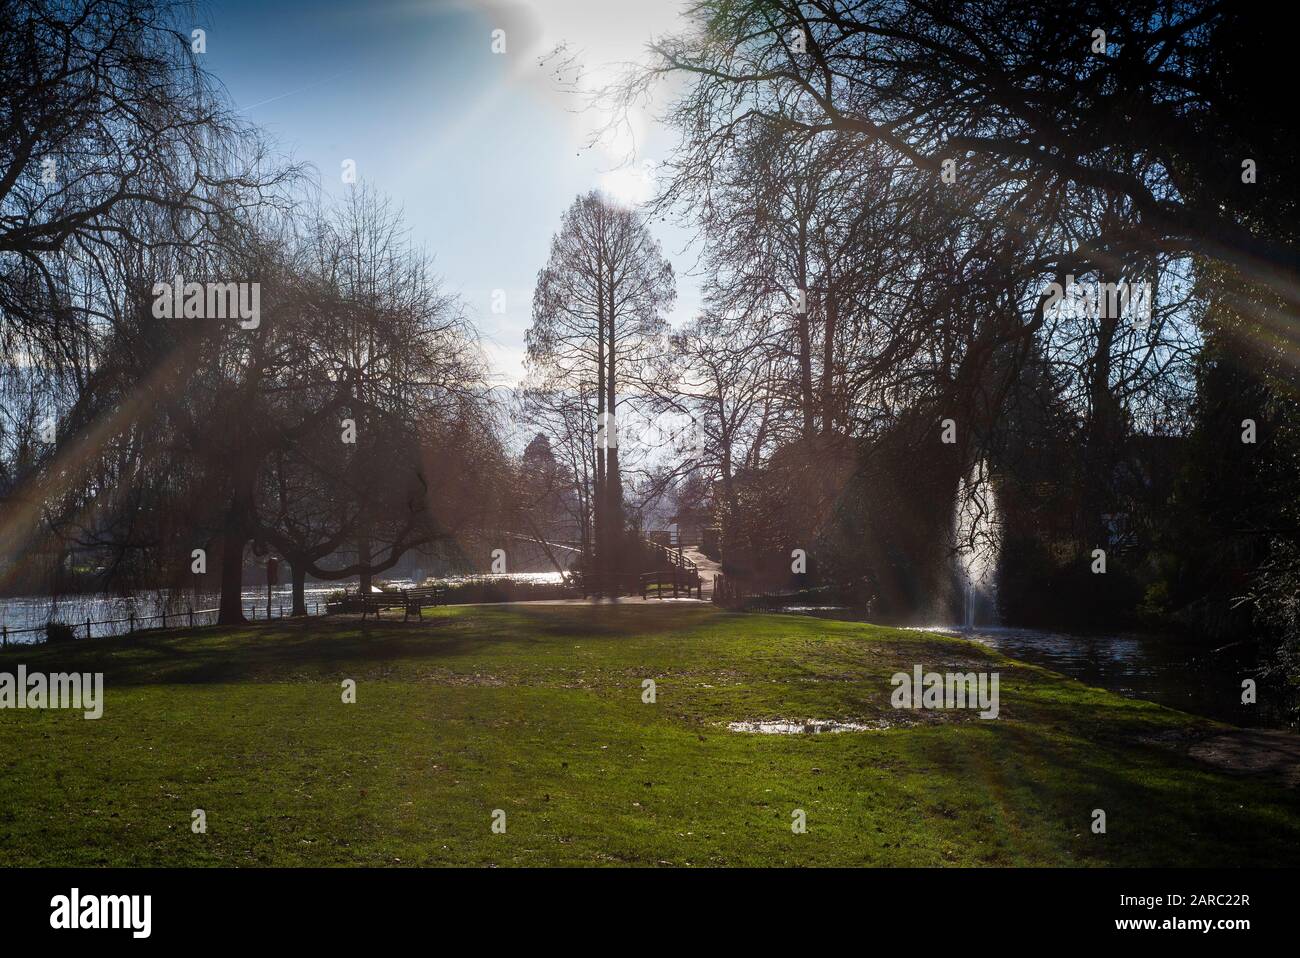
[{"x": 976, "y": 544}]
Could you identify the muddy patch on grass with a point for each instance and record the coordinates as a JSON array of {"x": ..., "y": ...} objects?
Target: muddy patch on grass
[
  {"x": 466, "y": 679},
  {"x": 808, "y": 726},
  {"x": 1271, "y": 753}
]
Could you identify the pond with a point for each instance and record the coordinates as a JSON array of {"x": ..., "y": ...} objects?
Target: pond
[{"x": 1173, "y": 671}]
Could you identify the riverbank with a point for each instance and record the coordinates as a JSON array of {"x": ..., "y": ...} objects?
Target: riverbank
[
  {"x": 1181, "y": 671},
  {"x": 24, "y": 618},
  {"x": 540, "y": 713}
]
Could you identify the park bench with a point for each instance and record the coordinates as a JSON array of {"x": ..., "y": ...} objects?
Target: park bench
[
  {"x": 410, "y": 601},
  {"x": 376, "y": 602},
  {"x": 417, "y": 599}
]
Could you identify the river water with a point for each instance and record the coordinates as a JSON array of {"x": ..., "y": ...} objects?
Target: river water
[
  {"x": 1168, "y": 669},
  {"x": 111, "y": 615}
]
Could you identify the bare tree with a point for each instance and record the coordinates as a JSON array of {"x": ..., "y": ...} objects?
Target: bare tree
[{"x": 598, "y": 322}]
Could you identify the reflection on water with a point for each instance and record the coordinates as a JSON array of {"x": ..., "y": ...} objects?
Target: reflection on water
[
  {"x": 1160, "y": 668},
  {"x": 535, "y": 578}
]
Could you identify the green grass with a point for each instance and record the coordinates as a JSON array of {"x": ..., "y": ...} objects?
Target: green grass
[{"x": 538, "y": 711}]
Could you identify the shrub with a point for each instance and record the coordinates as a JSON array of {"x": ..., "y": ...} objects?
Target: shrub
[{"x": 59, "y": 632}]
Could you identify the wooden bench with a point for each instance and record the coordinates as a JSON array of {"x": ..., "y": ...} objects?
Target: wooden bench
[
  {"x": 410, "y": 601},
  {"x": 417, "y": 599},
  {"x": 376, "y": 602}
]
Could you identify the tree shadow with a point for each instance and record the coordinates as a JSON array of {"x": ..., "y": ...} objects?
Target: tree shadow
[{"x": 287, "y": 649}]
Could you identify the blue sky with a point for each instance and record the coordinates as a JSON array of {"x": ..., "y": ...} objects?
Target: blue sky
[{"x": 481, "y": 150}]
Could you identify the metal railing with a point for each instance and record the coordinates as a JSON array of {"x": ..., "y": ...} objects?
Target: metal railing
[
  {"x": 730, "y": 591},
  {"x": 177, "y": 619}
]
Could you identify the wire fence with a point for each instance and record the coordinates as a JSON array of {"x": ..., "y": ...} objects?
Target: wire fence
[{"x": 136, "y": 623}]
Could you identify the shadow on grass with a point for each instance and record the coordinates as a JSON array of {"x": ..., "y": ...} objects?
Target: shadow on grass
[
  {"x": 283, "y": 649},
  {"x": 1161, "y": 808},
  {"x": 253, "y": 652}
]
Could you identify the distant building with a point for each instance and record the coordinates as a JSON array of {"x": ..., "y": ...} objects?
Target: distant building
[{"x": 688, "y": 526}]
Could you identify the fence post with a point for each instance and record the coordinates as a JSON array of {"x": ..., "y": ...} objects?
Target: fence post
[
  {"x": 87, "y": 626},
  {"x": 191, "y": 617},
  {"x": 4, "y": 636},
  {"x": 131, "y": 618}
]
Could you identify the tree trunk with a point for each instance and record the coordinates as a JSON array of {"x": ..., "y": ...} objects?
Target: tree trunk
[
  {"x": 363, "y": 559},
  {"x": 730, "y": 509},
  {"x": 1104, "y": 436},
  {"x": 828, "y": 362},
  {"x": 805, "y": 338},
  {"x": 598, "y": 503},
  {"x": 299, "y": 572},
  {"x": 613, "y": 481},
  {"x": 231, "y": 608}
]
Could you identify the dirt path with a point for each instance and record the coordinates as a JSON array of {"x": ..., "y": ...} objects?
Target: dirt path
[{"x": 709, "y": 570}]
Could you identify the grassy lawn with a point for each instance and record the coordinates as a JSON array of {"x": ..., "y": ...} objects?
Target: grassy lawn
[{"x": 538, "y": 711}]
